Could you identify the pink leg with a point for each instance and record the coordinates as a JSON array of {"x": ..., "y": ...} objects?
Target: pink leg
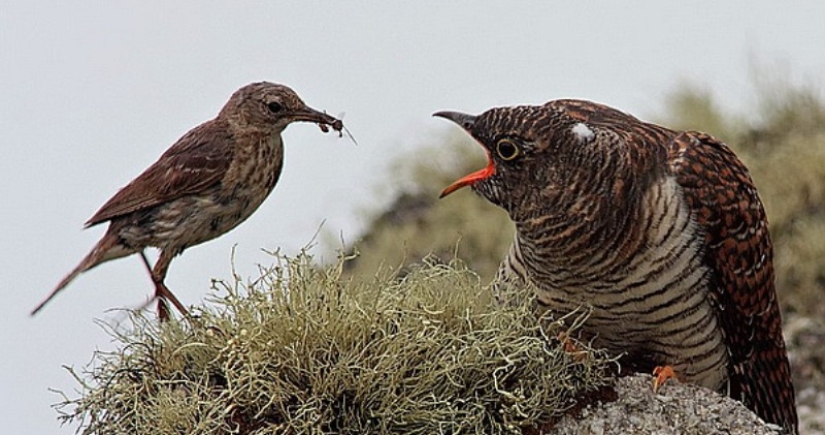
[{"x": 162, "y": 293}]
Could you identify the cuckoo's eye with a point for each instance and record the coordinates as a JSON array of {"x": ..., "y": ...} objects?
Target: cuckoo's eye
[
  {"x": 274, "y": 107},
  {"x": 507, "y": 149}
]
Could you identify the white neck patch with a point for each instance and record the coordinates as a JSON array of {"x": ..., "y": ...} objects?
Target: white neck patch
[{"x": 583, "y": 132}]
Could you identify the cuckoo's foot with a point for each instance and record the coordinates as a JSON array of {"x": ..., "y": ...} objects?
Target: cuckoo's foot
[
  {"x": 661, "y": 375},
  {"x": 570, "y": 347}
]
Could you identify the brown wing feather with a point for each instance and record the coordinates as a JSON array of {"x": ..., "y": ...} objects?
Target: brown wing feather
[
  {"x": 724, "y": 201},
  {"x": 196, "y": 161}
]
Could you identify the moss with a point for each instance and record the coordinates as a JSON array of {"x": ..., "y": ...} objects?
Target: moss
[{"x": 301, "y": 350}]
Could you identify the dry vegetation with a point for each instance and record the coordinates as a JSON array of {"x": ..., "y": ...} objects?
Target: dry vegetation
[{"x": 302, "y": 351}]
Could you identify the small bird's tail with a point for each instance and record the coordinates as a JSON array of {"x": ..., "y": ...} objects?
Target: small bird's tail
[{"x": 108, "y": 248}]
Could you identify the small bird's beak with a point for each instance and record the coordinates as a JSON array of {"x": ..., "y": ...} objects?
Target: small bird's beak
[
  {"x": 466, "y": 122},
  {"x": 309, "y": 114}
]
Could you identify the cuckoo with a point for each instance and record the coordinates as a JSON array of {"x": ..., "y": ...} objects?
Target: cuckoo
[{"x": 661, "y": 233}]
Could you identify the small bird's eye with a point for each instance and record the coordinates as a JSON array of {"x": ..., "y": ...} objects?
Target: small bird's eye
[
  {"x": 507, "y": 149},
  {"x": 274, "y": 107}
]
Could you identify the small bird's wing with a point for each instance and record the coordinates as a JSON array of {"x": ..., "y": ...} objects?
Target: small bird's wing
[
  {"x": 723, "y": 199},
  {"x": 196, "y": 161}
]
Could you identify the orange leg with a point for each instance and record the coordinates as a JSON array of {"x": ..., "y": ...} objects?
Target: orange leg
[
  {"x": 662, "y": 374},
  {"x": 571, "y": 347}
]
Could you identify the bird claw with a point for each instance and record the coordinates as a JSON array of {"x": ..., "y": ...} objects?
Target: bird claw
[
  {"x": 661, "y": 375},
  {"x": 164, "y": 295},
  {"x": 570, "y": 347},
  {"x": 163, "y": 310}
]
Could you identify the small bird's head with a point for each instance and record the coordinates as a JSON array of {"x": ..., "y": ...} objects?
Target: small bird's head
[
  {"x": 549, "y": 157},
  {"x": 272, "y": 107}
]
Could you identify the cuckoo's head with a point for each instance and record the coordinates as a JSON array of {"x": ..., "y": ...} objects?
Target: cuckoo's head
[
  {"x": 272, "y": 107},
  {"x": 560, "y": 156}
]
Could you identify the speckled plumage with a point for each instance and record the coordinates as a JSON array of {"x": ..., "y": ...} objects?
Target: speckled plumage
[
  {"x": 212, "y": 179},
  {"x": 660, "y": 232}
]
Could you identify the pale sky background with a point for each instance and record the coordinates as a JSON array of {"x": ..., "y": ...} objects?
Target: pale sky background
[{"x": 92, "y": 93}]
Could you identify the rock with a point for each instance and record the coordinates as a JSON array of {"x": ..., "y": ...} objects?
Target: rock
[{"x": 683, "y": 409}]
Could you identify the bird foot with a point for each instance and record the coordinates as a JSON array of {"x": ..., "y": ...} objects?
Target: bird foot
[
  {"x": 661, "y": 375},
  {"x": 163, "y": 309},
  {"x": 570, "y": 347},
  {"x": 163, "y": 294}
]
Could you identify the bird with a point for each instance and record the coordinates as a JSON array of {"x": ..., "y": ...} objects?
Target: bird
[
  {"x": 208, "y": 182},
  {"x": 660, "y": 233}
]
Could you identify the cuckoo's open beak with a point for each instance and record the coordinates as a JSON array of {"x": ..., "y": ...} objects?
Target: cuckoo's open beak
[{"x": 466, "y": 122}]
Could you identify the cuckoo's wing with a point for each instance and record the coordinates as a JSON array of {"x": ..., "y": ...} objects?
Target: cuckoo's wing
[
  {"x": 723, "y": 199},
  {"x": 196, "y": 161}
]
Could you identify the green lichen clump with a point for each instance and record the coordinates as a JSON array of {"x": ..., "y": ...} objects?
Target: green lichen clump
[{"x": 301, "y": 350}]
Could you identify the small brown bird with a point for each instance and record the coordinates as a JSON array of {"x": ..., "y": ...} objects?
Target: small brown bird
[
  {"x": 660, "y": 232},
  {"x": 212, "y": 179}
]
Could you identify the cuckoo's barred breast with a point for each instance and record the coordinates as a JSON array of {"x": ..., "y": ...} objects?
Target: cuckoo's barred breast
[
  {"x": 655, "y": 284},
  {"x": 660, "y": 232}
]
